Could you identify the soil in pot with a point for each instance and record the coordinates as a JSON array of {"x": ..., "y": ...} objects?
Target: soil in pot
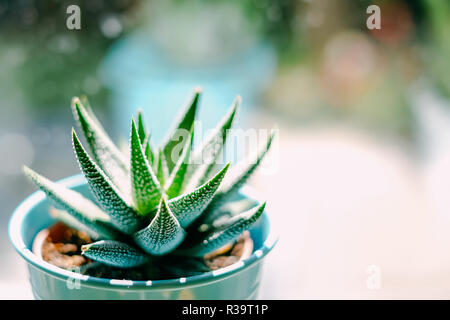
[{"x": 60, "y": 245}]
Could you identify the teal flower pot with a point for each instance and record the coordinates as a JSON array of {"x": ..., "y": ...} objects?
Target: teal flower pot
[{"x": 238, "y": 281}]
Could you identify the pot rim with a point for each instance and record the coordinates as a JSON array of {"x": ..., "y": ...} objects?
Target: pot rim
[{"x": 19, "y": 214}]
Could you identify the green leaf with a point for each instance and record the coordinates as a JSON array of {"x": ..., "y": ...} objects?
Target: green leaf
[
  {"x": 204, "y": 160},
  {"x": 244, "y": 216},
  {"x": 80, "y": 208},
  {"x": 176, "y": 180},
  {"x": 85, "y": 102},
  {"x": 115, "y": 254},
  {"x": 163, "y": 234},
  {"x": 227, "y": 232},
  {"x": 239, "y": 174},
  {"x": 227, "y": 211},
  {"x": 144, "y": 138},
  {"x": 148, "y": 150},
  {"x": 124, "y": 217},
  {"x": 105, "y": 153},
  {"x": 162, "y": 172},
  {"x": 145, "y": 187},
  {"x": 142, "y": 132},
  {"x": 188, "y": 207},
  {"x": 181, "y": 131},
  {"x": 70, "y": 221}
]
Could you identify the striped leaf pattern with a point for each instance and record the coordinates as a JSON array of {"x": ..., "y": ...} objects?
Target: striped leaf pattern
[
  {"x": 123, "y": 216},
  {"x": 104, "y": 151},
  {"x": 145, "y": 187},
  {"x": 115, "y": 253},
  {"x": 185, "y": 124},
  {"x": 227, "y": 232},
  {"x": 80, "y": 208},
  {"x": 163, "y": 234}
]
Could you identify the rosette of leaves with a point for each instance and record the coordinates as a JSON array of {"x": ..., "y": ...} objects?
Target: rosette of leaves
[{"x": 150, "y": 204}]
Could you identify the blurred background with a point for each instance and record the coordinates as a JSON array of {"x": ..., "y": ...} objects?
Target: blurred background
[{"x": 362, "y": 187}]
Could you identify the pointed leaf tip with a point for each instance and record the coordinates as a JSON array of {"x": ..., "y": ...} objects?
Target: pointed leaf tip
[
  {"x": 142, "y": 131},
  {"x": 163, "y": 234},
  {"x": 162, "y": 172},
  {"x": 80, "y": 208},
  {"x": 184, "y": 124},
  {"x": 205, "y": 157},
  {"x": 111, "y": 200},
  {"x": 188, "y": 207},
  {"x": 177, "y": 181},
  {"x": 228, "y": 231},
  {"x": 145, "y": 187},
  {"x": 114, "y": 253},
  {"x": 239, "y": 174},
  {"x": 104, "y": 151}
]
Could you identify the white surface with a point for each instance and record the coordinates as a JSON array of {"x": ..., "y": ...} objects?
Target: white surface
[
  {"x": 348, "y": 204},
  {"x": 14, "y": 278}
]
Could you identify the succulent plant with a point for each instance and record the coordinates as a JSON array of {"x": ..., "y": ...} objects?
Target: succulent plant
[{"x": 150, "y": 203}]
